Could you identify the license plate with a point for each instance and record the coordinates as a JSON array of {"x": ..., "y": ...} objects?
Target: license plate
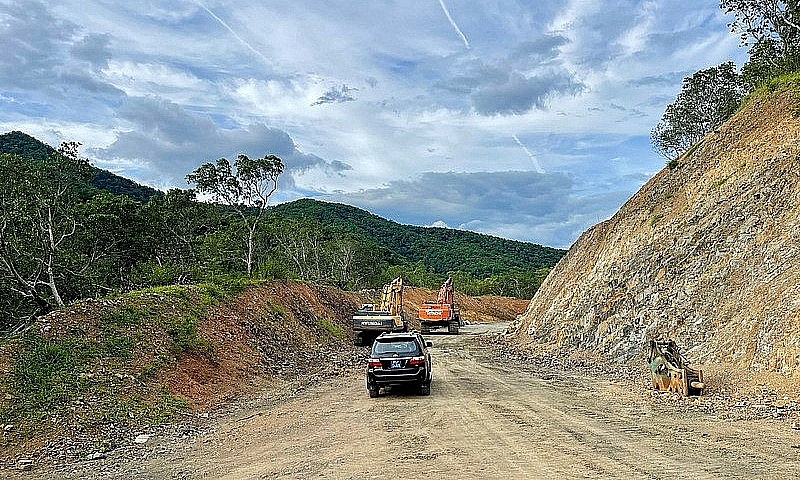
[{"x": 395, "y": 364}]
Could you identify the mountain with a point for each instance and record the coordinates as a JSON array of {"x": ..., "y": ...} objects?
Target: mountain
[
  {"x": 441, "y": 249},
  {"x": 23, "y": 144},
  {"x": 705, "y": 253},
  {"x": 444, "y": 249}
]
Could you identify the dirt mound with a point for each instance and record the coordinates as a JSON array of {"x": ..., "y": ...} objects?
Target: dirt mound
[
  {"x": 705, "y": 253},
  {"x": 485, "y": 308}
]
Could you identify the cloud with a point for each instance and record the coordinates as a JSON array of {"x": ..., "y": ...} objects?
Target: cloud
[
  {"x": 155, "y": 88},
  {"x": 93, "y": 48},
  {"x": 170, "y": 142},
  {"x": 547, "y": 209},
  {"x": 336, "y": 95},
  {"x": 518, "y": 94},
  {"x": 47, "y": 72}
]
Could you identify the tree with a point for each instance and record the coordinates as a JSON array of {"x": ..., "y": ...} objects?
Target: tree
[
  {"x": 38, "y": 218},
  {"x": 772, "y": 30},
  {"x": 707, "y": 99},
  {"x": 759, "y": 20},
  {"x": 246, "y": 189}
]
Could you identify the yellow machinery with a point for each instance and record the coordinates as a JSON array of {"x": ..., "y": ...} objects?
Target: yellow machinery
[
  {"x": 371, "y": 320},
  {"x": 671, "y": 371}
]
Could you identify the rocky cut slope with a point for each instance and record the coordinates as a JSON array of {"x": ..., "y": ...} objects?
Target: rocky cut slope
[{"x": 705, "y": 253}]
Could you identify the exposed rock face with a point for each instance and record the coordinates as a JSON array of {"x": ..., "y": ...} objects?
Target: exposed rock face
[{"x": 706, "y": 253}]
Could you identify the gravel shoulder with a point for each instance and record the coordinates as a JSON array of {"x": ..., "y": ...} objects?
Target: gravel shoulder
[{"x": 488, "y": 417}]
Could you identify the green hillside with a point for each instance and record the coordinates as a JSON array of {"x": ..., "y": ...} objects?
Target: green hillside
[
  {"x": 442, "y": 249},
  {"x": 72, "y": 231},
  {"x": 20, "y": 143}
]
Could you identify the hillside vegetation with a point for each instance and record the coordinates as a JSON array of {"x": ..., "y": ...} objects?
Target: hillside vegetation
[
  {"x": 705, "y": 253},
  {"x": 22, "y": 144},
  {"x": 69, "y": 230},
  {"x": 88, "y": 377},
  {"x": 441, "y": 249}
]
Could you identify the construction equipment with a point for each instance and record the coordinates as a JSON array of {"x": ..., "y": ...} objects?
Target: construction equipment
[
  {"x": 371, "y": 320},
  {"x": 440, "y": 316},
  {"x": 671, "y": 371}
]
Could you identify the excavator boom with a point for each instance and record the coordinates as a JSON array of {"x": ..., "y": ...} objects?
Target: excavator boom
[{"x": 371, "y": 320}]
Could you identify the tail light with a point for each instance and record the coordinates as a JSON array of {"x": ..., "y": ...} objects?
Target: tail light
[
  {"x": 373, "y": 362},
  {"x": 417, "y": 361}
]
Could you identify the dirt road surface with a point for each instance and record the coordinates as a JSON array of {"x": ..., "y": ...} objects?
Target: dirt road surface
[{"x": 485, "y": 419}]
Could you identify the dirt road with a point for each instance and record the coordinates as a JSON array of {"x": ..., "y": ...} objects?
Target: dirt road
[
  {"x": 487, "y": 420},
  {"x": 483, "y": 420}
]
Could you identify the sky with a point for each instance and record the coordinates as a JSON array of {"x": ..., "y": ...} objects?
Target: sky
[{"x": 528, "y": 120}]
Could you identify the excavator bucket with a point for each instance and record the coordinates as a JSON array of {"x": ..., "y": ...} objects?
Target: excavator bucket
[{"x": 671, "y": 371}]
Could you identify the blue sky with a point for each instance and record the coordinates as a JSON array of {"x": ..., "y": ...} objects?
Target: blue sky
[{"x": 528, "y": 120}]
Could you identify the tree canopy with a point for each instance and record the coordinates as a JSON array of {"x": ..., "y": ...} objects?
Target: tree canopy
[
  {"x": 771, "y": 28},
  {"x": 706, "y": 100},
  {"x": 247, "y": 186}
]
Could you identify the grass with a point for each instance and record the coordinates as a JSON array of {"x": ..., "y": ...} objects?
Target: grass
[
  {"x": 654, "y": 219},
  {"x": 47, "y": 374},
  {"x": 107, "y": 370},
  {"x": 125, "y": 315},
  {"x": 185, "y": 338},
  {"x": 332, "y": 328},
  {"x": 787, "y": 81},
  {"x": 719, "y": 182},
  {"x": 277, "y": 310}
]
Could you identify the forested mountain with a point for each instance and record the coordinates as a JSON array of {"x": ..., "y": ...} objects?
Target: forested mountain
[
  {"x": 69, "y": 231},
  {"x": 23, "y": 144},
  {"x": 443, "y": 249}
]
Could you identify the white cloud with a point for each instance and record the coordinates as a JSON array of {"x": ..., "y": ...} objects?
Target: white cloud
[{"x": 369, "y": 98}]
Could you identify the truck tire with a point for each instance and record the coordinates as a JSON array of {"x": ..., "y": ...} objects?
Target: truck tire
[{"x": 374, "y": 393}]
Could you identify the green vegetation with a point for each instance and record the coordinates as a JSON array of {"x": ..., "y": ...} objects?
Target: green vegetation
[
  {"x": 423, "y": 255},
  {"x": 771, "y": 30},
  {"x": 719, "y": 182},
  {"x": 24, "y": 145},
  {"x": 655, "y": 218},
  {"x": 63, "y": 239},
  {"x": 106, "y": 370},
  {"x": 707, "y": 99},
  {"x": 48, "y": 373},
  {"x": 332, "y": 328}
]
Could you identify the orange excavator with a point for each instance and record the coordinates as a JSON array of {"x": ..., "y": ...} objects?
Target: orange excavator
[{"x": 441, "y": 316}]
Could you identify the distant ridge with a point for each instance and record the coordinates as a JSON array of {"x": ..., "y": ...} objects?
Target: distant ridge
[
  {"x": 444, "y": 249},
  {"x": 21, "y": 143}
]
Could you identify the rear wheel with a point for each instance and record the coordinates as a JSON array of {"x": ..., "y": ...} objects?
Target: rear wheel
[
  {"x": 373, "y": 393},
  {"x": 425, "y": 389}
]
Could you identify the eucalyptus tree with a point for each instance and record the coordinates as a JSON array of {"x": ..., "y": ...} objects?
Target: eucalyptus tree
[
  {"x": 772, "y": 30},
  {"x": 246, "y": 187}
]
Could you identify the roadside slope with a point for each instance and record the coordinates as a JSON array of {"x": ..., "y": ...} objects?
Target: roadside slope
[
  {"x": 705, "y": 253},
  {"x": 89, "y": 378}
]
